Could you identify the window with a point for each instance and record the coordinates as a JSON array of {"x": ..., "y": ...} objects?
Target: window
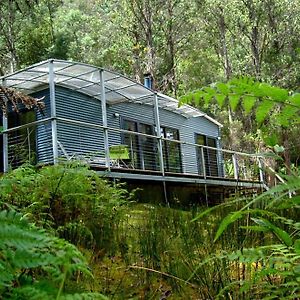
[
  {"x": 22, "y": 142},
  {"x": 171, "y": 150},
  {"x": 143, "y": 149},
  {"x": 210, "y": 155}
]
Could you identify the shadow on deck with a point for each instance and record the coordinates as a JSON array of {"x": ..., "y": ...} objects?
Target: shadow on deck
[{"x": 180, "y": 188}]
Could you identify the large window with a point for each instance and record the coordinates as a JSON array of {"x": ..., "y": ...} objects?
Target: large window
[
  {"x": 143, "y": 149},
  {"x": 210, "y": 155},
  {"x": 171, "y": 150}
]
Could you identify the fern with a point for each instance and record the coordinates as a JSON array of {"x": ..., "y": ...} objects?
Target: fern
[
  {"x": 259, "y": 98},
  {"x": 271, "y": 270},
  {"x": 34, "y": 264}
]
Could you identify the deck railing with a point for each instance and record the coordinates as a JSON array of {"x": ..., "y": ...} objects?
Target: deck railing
[{"x": 83, "y": 141}]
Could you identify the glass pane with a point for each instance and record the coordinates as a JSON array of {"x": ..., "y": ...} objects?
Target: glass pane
[
  {"x": 22, "y": 142},
  {"x": 172, "y": 151},
  {"x": 132, "y": 141},
  {"x": 148, "y": 148}
]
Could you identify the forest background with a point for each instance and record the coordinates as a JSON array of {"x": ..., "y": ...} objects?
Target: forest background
[{"x": 184, "y": 45}]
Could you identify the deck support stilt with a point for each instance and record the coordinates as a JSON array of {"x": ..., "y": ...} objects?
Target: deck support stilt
[{"x": 53, "y": 112}]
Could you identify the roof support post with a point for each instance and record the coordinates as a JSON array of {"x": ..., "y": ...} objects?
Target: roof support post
[
  {"x": 5, "y": 136},
  {"x": 203, "y": 162},
  {"x": 104, "y": 120},
  {"x": 53, "y": 112},
  {"x": 159, "y": 144},
  {"x": 158, "y": 134}
]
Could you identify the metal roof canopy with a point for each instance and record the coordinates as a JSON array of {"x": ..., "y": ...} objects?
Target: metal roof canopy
[{"x": 86, "y": 79}]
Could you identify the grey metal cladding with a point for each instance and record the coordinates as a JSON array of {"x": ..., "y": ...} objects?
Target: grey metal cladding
[
  {"x": 78, "y": 140},
  {"x": 44, "y": 137},
  {"x": 81, "y": 140},
  {"x": 77, "y": 106}
]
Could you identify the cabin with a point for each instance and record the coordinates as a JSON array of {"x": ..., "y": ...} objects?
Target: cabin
[{"x": 122, "y": 129}]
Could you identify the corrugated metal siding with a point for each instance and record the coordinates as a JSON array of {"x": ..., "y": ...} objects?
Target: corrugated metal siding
[
  {"x": 43, "y": 133},
  {"x": 79, "y": 140}
]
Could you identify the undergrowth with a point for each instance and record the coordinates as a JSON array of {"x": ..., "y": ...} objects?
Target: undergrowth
[{"x": 242, "y": 249}]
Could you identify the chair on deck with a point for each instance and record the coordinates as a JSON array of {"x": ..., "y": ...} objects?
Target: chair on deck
[{"x": 119, "y": 156}]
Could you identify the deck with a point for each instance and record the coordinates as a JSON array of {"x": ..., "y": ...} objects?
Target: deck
[{"x": 144, "y": 175}]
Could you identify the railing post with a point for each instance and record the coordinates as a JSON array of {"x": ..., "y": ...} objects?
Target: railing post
[
  {"x": 104, "y": 120},
  {"x": 53, "y": 111},
  {"x": 203, "y": 162},
  {"x": 5, "y": 135},
  {"x": 235, "y": 167},
  {"x": 204, "y": 173},
  {"x": 261, "y": 173},
  {"x": 158, "y": 134}
]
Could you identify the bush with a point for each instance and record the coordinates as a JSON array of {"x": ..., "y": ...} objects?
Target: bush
[
  {"x": 35, "y": 264},
  {"x": 69, "y": 199}
]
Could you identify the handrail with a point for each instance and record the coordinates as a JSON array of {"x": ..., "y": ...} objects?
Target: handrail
[{"x": 71, "y": 121}]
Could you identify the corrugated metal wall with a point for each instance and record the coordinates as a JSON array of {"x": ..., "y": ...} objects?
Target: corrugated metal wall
[
  {"x": 43, "y": 132},
  {"x": 76, "y": 140},
  {"x": 79, "y": 140}
]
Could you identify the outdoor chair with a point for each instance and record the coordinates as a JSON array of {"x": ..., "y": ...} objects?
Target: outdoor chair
[{"x": 119, "y": 156}]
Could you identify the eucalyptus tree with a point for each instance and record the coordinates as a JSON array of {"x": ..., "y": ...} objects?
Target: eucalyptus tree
[{"x": 259, "y": 38}]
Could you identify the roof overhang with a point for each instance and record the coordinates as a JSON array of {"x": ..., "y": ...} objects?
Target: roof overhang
[{"x": 85, "y": 78}]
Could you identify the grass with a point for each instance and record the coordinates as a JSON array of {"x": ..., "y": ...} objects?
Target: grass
[{"x": 162, "y": 254}]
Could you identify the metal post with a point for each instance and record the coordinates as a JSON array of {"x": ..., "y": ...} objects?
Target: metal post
[
  {"x": 104, "y": 121},
  {"x": 261, "y": 173},
  {"x": 158, "y": 135},
  {"x": 204, "y": 173},
  {"x": 5, "y": 135},
  {"x": 53, "y": 112},
  {"x": 203, "y": 162},
  {"x": 235, "y": 167},
  {"x": 159, "y": 145},
  {"x": 29, "y": 146}
]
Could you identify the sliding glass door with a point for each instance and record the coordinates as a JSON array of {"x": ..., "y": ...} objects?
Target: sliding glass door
[
  {"x": 210, "y": 155},
  {"x": 142, "y": 149}
]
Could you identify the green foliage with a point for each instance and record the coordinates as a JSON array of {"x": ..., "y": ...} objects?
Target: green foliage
[
  {"x": 68, "y": 199},
  {"x": 263, "y": 98},
  {"x": 35, "y": 264},
  {"x": 271, "y": 268}
]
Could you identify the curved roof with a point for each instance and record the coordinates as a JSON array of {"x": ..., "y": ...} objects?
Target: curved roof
[{"x": 85, "y": 78}]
